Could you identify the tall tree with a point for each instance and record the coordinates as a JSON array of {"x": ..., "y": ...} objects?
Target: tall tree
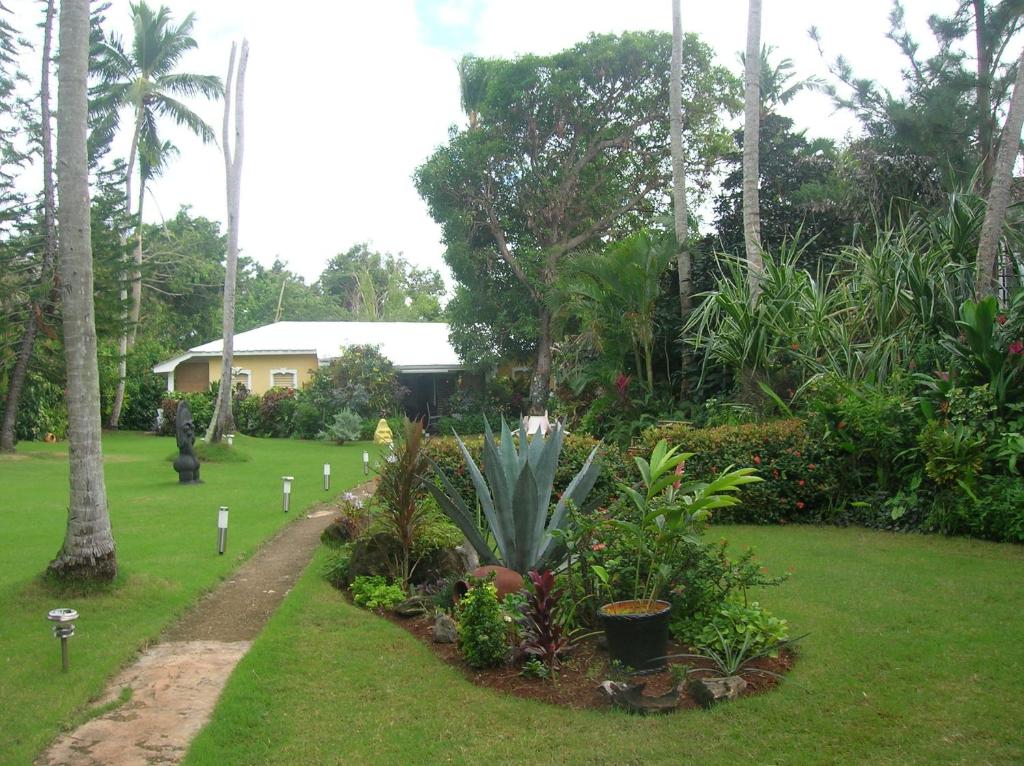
[
  {"x": 17, "y": 380},
  {"x": 88, "y": 550},
  {"x": 999, "y": 194},
  {"x": 223, "y": 421},
  {"x": 472, "y": 87},
  {"x": 568, "y": 149},
  {"x": 143, "y": 79},
  {"x": 751, "y": 146},
  {"x": 679, "y": 210}
]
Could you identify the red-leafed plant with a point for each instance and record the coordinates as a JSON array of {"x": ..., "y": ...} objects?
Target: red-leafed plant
[{"x": 543, "y": 637}]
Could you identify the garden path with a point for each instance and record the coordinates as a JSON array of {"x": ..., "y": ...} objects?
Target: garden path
[{"x": 175, "y": 683}]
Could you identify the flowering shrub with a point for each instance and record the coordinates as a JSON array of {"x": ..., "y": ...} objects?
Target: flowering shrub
[{"x": 800, "y": 473}]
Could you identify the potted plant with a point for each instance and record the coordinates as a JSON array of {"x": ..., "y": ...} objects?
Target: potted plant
[{"x": 668, "y": 513}]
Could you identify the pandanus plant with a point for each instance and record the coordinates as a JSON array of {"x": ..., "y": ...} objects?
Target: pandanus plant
[{"x": 515, "y": 497}]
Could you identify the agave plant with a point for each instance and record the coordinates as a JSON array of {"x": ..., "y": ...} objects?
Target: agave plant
[{"x": 515, "y": 497}]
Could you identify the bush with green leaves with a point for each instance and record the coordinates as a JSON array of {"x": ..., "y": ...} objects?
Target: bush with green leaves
[
  {"x": 200, "y": 404},
  {"x": 365, "y": 380},
  {"x": 277, "y": 408},
  {"x": 483, "y": 630},
  {"x": 800, "y": 473},
  {"x": 336, "y": 565},
  {"x": 42, "y": 410},
  {"x": 993, "y": 511},
  {"x": 346, "y": 427},
  {"x": 375, "y": 592}
]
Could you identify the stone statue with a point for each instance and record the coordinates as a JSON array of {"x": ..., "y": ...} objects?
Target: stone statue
[{"x": 186, "y": 464}]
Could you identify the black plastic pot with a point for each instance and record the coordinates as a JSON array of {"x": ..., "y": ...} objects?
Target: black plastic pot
[{"x": 637, "y": 633}]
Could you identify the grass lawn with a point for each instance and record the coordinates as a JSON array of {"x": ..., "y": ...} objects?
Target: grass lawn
[
  {"x": 915, "y": 656},
  {"x": 166, "y": 548}
]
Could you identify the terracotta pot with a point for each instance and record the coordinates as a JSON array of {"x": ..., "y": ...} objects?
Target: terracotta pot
[
  {"x": 505, "y": 580},
  {"x": 637, "y": 633}
]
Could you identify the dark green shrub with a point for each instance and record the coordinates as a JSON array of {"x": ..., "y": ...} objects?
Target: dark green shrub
[
  {"x": 308, "y": 420},
  {"x": 365, "y": 381},
  {"x": 42, "y": 410},
  {"x": 199, "y": 403},
  {"x": 801, "y": 474},
  {"x": 482, "y": 628},
  {"x": 996, "y": 512},
  {"x": 336, "y": 565},
  {"x": 247, "y": 414},
  {"x": 277, "y": 409}
]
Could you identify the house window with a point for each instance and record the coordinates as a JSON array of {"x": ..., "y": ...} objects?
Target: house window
[
  {"x": 241, "y": 377},
  {"x": 284, "y": 378}
]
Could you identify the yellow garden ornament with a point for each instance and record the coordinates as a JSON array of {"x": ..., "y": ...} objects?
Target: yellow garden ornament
[{"x": 383, "y": 433}]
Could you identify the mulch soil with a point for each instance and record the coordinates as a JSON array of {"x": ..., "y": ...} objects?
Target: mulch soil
[{"x": 577, "y": 684}]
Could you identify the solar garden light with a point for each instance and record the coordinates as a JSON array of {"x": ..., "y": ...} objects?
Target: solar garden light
[
  {"x": 222, "y": 529},
  {"x": 366, "y": 463},
  {"x": 230, "y": 438},
  {"x": 286, "y": 498},
  {"x": 327, "y": 476},
  {"x": 63, "y": 628}
]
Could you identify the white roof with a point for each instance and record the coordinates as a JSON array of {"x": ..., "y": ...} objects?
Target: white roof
[{"x": 411, "y": 346}]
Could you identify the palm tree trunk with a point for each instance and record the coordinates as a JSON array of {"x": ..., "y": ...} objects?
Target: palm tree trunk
[
  {"x": 983, "y": 96},
  {"x": 999, "y": 194},
  {"x": 88, "y": 550},
  {"x": 127, "y": 338},
  {"x": 679, "y": 209},
  {"x": 751, "y": 140},
  {"x": 16, "y": 384},
  {"x": 223, "y": 420}
]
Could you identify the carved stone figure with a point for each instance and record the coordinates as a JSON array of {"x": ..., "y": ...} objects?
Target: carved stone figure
[{"x": 186, "y": 464}]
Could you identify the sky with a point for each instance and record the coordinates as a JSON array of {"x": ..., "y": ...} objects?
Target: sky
[{"x": 343, "y": 100}]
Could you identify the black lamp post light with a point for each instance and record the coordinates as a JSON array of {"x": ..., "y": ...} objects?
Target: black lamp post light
[{"x": 63, "y": 628}]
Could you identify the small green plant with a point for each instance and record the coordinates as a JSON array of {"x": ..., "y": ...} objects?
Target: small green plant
[
  {"x": 954, "y": 453},
  {"x": 375, "y": 592},
  {"x": 345, "y": 427},
  {"x": 337, "y": 565},
  {"x": 482, "y": 627},
  {"x": 731, "y": 658},
  {"x": 740, "y": 622},
  {"x": 535, "y": 667}
]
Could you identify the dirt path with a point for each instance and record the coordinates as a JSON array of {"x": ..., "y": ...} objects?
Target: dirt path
[{"x": 175, "y": 683}]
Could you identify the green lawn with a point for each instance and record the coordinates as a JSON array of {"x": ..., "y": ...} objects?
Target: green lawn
[
  {"x": 915, "y": 656},
  {"x": 166, "y": 548}
]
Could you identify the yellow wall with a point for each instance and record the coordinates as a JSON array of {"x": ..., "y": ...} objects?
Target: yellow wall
[{"x": 260, "y": 365}]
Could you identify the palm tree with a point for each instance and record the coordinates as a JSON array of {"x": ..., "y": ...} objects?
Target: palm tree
[
  {"x": 615, "y": 294},
  {"x": 776, "y": 83},
  {"x": 751, "y": 138},
  {"x": 88, "y": 550},
  {"x": 679, "y": 209},
  {"x": 472, "y": 87},
  {"x": 223, "y": 421},
  {"x": 999, "y": 194},
  {"x": 143, "y": 80}
]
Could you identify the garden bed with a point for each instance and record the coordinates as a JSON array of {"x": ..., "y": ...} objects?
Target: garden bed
[{"x": 577, "y": 685}]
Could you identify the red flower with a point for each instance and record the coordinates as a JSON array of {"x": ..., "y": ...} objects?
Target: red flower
[
  {"x": 1016, "y": 347},
  {"x": 757, "y": 460},
  {"x": 811, "y": 466},
  {"x": 775, "y": 473},
  {"x": 1001, "y": 319},
  {"x": 800, "y": 504},
  {"x": 622, "y": 384},
  {"x": 841, "y": 425},
  {"x": 801, "y": 482},
  {"x": 796, "y": 452},
  {"x": 679, "y": 472}
]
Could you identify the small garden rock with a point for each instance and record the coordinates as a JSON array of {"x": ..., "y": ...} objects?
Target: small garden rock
[
  {"x": 444, "y": 631},
  {"x": 708, "y": 691}
]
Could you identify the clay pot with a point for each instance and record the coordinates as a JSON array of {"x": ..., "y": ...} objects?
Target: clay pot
[{"x": 505, "y": 580}]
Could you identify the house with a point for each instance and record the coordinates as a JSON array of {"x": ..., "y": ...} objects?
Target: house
[{"x": 287, "y": 353}]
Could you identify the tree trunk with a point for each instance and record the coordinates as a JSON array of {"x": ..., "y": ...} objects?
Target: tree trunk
[
  {"x": 983, "y": 95},
  {"x": 16, "y": 384},
  {"x": 751, "y": 140},
  {"x": 679, "y": 209},
  {"x": 540, "y": 384},
  {"x": 88, "y": 550},
  {"x": 999, "y": 193},
  {"x": 129, "y": 310},
  {"x": 223, "y": 420}
]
